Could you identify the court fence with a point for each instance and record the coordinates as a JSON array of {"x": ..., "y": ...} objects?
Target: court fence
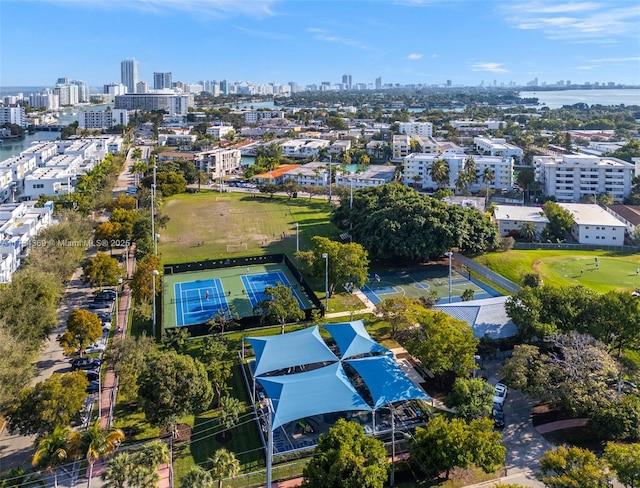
[
  {"x": 462, "y": 261},
  {"x": 573, "y": 247},
  {"x": 250, "y": 321}
]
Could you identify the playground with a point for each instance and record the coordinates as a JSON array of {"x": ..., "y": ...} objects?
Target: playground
[
  {"x": 424, "y": 281},
  {"x": 194, "y": 297}
]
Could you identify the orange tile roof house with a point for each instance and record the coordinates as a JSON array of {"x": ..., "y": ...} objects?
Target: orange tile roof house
[{"x": 276, "y": 176}]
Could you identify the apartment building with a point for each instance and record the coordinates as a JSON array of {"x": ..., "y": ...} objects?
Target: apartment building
[
  {"x": 570, "y": 177},
  {"x": 490, "y": 146},
  {"x": 421, "y": 129},
  {"x": 373, "y": 175},
  {"x": 13, "y": 114},
  {"x": 102, "y": 119},
  {"x": 311, "y": 174},
  {"x": 219, "y": 131},
  {"x": 594, "y": 225},
  {"x": 509, "y": 219},
  {"x": 148, "y": 102},
  {"x": 217, "y": 163}
]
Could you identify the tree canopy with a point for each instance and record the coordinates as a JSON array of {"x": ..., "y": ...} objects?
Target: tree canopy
[
  {"x": 83, "y": 328},
  {"x": 573, "y": 467},
  {"x": 395, "y": 221},
  {"x": 281, "y": 306}
]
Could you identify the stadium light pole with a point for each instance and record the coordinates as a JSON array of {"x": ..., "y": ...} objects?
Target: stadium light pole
[
  {"x": 326, "y": 280},
  {"x": 297, "y": 236},
  {"x": 153, "y": 292},
  {"x": 449, "y": 255}
]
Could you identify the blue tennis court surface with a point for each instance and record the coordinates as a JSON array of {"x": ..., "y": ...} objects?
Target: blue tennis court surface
[
  {"x": 256, "y": 283},
  {"x": 198, "y": 301}
]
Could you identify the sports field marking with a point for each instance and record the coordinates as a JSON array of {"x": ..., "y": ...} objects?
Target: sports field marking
[
  {"x": 198, "y": 301},
  {"x": 255, "y": 285}
]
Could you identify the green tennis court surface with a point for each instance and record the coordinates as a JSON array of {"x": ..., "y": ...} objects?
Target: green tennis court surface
[{"x": 194, "y": 297}]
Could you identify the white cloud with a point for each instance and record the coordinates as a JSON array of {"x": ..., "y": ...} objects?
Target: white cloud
[
  {"x": 587, "y": 68},
  {"x": 340, "y": 40},
  {"x": 414, "y": 56},
  {"x": 264, "y": 34},
  {"x": 615, "y": 60},
  {"x": 490, "y": 67}
]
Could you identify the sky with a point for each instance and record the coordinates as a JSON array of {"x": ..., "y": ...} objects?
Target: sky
[{"x": 311, "y": 41}]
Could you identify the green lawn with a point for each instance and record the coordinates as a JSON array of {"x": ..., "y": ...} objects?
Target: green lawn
[
  {"x": 616, "y": 271},
  {"x": 209, "y": 225}
]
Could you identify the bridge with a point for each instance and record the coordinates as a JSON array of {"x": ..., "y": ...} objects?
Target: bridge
[{"x": 49, "y": 128}]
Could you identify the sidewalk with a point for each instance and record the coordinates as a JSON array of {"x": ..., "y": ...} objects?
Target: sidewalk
[{"x": 369, "y": 307}]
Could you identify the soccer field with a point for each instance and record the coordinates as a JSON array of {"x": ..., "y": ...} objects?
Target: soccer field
[
  {"x": 212, "y": 225},
  {"x": 615, "y": 271}
]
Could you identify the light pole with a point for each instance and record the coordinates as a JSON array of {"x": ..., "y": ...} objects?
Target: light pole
[
  {"x": 326, "y": 280},
  {"x": 153, "y": 231},
  {"x": 156, "y": 237},
  {"x": 116, "y": 314},
  {"x": 449, "y": 255},
  {"x": 297, "y": 236},
  {"x": 329, "y": 177},
  {"x": 153, "y": 310}
]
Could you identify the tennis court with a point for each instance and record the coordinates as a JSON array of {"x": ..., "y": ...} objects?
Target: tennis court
[
  {"x": 422, "y": 282},
  {"x": 193, "y": 297}
]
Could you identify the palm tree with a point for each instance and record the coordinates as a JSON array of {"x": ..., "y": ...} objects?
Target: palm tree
[
  {"x": 223, "y": 319},
  {"x": 528, "y": 231},
  {"x": 118, "y": 471},
  {"x": 143, "y": 476},
  {"x": 197, "y": 477},
  {"x": 471, "y": 169},
  {"x": 440, "y": 173},
  {"x": 223, "y": 465},
  {"x": 461, "y": 181},
  {"x": 488, "y": 177},
  {"x": 96, "y": 442},
  {"x": 155, "y": 453},
  {"x": 52, "y": 451},
  {"x": 416, "y": 179},
  {"x": 17, "y": 478}
]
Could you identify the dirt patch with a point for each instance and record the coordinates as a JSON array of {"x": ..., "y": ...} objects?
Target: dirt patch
[
  {"x": 183, "y": 433},
  {"x": 545, "y": 413},
  {"x": 535, "y": 265}
]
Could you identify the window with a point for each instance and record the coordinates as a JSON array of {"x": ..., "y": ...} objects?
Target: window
[{"x": 587, "y": 227}]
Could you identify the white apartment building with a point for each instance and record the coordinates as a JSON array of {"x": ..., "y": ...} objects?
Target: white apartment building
[
  {"x": 219, "y": 131},
  {"x": 570, "y": 177},
  {"x": 253, "y": 116},
  {"x": 19, "y": 166},
  {"x": 417, "y": 170},
  {"x": 509, "y": 219},
  {"x": 490, "y": 146},
  {"x": 102, "y": 119},
  {"x": 13, "y": 114},
  {"x": 47, "y": 181},
  {"x": 41, "y": 151},
  {"x": 310, "y": 174},
  {"x": 594, "y": 225},
  {"x": 339, "y": 146},
  {"x": 421, "y": 129},
  {"x": 19, "y": 224},
  {"x": 401, "y": 146},
  {"x": 303, "y": 148},
  {"x": 47, "y": 100},
  {"x": 373, "y": 175},
  {"x": 218, "y": 162},
  {"x": 6, "y": 185},
  {"x": 67, "y": 94},
  {"x": 484, "y": 124},
  {"x": 629, "y": 215},
  {"x": 174, "y": 104}
]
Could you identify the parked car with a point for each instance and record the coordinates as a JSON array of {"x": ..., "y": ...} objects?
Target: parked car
[
  {"x": 94, "y": 387},
  {"x": 105, "y": 296},
  {"x": 92, "y": 375},
  {"x": 106, "y": 326},
  {"x": 499, "y": 393},
  {"x": 95, "y": 348},
  {"x": 99, "y": 305},
  {"x": 104, "y": 316},
  {"x": 498, "y": 416},
  {"x": 85, "y": 363}
]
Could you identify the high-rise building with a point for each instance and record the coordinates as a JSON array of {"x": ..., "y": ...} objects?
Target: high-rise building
[
  {"x": 142, "y": 87},
  {"x": 83, "y": 90},
  {"x": 346, "y": 81},
  {"x": 129, "y": 74},
  {"x": 162, "y": 81},
  {"x": 378, "y": 82}
]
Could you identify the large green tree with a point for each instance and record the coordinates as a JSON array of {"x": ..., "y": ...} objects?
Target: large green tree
[
  {"x": 83, "y": 328},
  {"x": 223, "y": 465},
  {"x": 573, "y": 467},
  {"x": 102, "y": 270},
  {"x": 624, "y": 459},
  {"x": 16, "y": 367},
  {"x": 560, "y": 221},
  {"x": 129, "y": 356},
  {"x": 171, "y": 386},
  {"x": 345, "y": 263},
  {"x": 197, "y": 477},
  {"x": 346, "y": 458},
  {"x": 51, "y": 403},
  {"x": 444, "y": 444},
  {"x": 471, "y": 397},
  {"x": 280, "y": 306}
]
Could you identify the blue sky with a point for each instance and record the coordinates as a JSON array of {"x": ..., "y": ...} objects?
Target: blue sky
[{"x": 310, "y": 41}]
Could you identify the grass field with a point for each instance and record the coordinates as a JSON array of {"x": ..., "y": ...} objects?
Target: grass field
[
  {"x": 214, "y": 225},
  {"x": 616, "y": 271}
]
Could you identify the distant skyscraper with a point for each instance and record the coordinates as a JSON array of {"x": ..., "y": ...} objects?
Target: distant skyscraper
[
  {"x": 162, "y": 81},
  {"x": 62, "y": 81},
  {"x": 83, "y": 90},
  {"x": 129, "y": 74},
  {"x": 379, "y": 83},
  {"x": 346, "y": 81}
]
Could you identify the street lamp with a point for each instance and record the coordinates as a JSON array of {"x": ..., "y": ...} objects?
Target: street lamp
[
  {"x": 153, "y": 231},
  {"x": 449, "y": 255},
  {"x": 116, "y": 307},
  {"x": 153, "y": 310},
  {"x": 329, "y": 177},
  {"x": 156, "y": 237},
  {"x": 326, "y": 280},
  {"x": 297, "y": 236}
]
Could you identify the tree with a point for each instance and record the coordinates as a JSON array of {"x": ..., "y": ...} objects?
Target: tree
[
  {"x": 168, "y": 183},
  {"x": 223, "y": 465},
  {"x": 52, "y": 451},
  {"x": 102, "y": 270},
  {"x": 223, "y": 319},
  {"x": 118, "y": 471},
  {"x": 488, "y": 178},
  {"x": 470, "y": 397},
  {"x": 344, "y": 458},
  {"x": 16, "y": 368},
  {"x": 528, "y": 231},
  {"x": 231, "y": 408},
  {"x": 624, "y": 459},
  {"x": 83, "y": 328},
  {"x": 197, "y": 477},
  {"x": 49, "y": 404},
  {"x": 173, "y": 385},
  {"x": 573, "y": 467},
  {"x": 18, "y": 478},
  {"x": 137, "y": 469},
  {"x": 175, "y": 338},
  {"x": 560, "y": 220},
  {"x": 439, "y": 172},
  {"x": 215, "y": 357},
  {"x": 290, "y": 187},
  {"x": 282, "y": 306},
  {"x": 141, "y": 281},
  {"x": 445, "y": 444},
  {"x": 129, "y": 356},
  {"x": 347, "y": 263},
  {"x": 467, "y": 295},
  {"x": 443, "y": 344},
  {"x": 399, "y": 312},
  {"x": 95, "y": 442}
]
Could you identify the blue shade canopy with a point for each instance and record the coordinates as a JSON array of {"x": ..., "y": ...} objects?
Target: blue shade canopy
[
  {"x": 323, "y": 390},
  {"x": 386, "y": 381},
  {"x": 283, "y": 351},
  {"x": 353, "y": 339}
]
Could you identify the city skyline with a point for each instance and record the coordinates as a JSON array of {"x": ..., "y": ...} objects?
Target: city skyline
[{"x": 310, "y": 42}]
